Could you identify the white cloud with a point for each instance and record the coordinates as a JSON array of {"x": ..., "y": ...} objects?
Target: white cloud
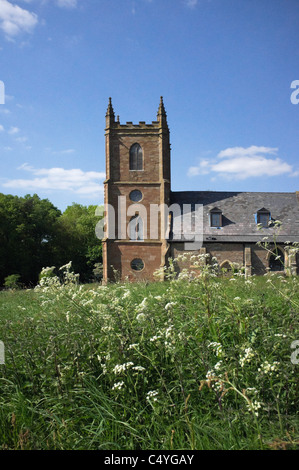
[
  {"x": 242, "y": 163},
  {"x": 15, "y": 20},
  {"x": 246, "y": 152},
  {"x": 67, "y": 3},
  {"x": 5, "y": 111},
  {"x": 22, "y": 139},
  {"x": 87, "y": 183},
  {"x": 64, "y": 152},
  {"x": 191, "y": 3},
  {"x": 203, "y": 168},
  {"x": 1, "y": 128},
  {"x": 13, "y": 130}
]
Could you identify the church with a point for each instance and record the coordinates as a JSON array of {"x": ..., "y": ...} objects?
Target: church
[{"x": 144, "y": 216}]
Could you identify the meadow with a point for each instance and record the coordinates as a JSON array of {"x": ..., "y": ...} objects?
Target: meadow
[{"x": 195, "y": 362}]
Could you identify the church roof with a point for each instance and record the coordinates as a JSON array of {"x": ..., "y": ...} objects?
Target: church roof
[{"x": 239, "y": 214}]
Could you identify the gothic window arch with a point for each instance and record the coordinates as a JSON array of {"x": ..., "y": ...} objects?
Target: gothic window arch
[
  {"x": 226, "y": 268},
  {"x": 277, "y": 260},
  {"x": 226, "y": 265},
  {"x": 136, "y": 157},
  {"x": 136, "y": 228}
]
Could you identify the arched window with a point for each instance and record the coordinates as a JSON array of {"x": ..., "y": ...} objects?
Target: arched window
[
  {"x": 226, "y": 265},
  {"x": 136, "y": 228},
  {"x": 226, "y": 268},
  {"x": 136, "y": 157},
  {"x": 276, "y": 261}
]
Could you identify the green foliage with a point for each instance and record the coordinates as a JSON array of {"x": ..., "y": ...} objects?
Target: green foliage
[
  {"x": 27, "y": 233},
  {"x": 197, "y": 362},
  {"x": 78, "y": 241},
  {"x": 12, "y": 281},
  {"x": 47, "y": 273},
  {"x": 34, "y": 234}
]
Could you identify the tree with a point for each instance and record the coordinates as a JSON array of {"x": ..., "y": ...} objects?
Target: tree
[
  {"x": 34, "y": 234},
  {"x": 78, "y": 241},
  {"x": 27, "y": 233}
]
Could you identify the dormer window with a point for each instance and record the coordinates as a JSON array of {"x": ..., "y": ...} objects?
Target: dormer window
[
  {"x": 263, "y": 217},
  {"x": 136, "y": 158},
  {"x": 216, "y": 218}
]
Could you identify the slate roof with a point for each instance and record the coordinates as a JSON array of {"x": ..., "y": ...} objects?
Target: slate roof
[{"x": 239, "y": 211}]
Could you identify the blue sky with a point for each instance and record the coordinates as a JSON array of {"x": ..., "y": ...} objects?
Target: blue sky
[{"x": 224, "y": 67}]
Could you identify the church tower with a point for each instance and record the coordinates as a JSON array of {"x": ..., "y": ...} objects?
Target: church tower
[{"x": 137, "y": 183}]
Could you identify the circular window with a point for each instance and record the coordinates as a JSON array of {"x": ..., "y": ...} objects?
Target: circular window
[
  {"x": 136, "y": 195},
  {"x": 137, "y": 264}
]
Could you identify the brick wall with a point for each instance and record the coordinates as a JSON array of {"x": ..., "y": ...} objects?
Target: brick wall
[
  {"x": 154, "y": 183},
  {"x": 121, "y": 254}
]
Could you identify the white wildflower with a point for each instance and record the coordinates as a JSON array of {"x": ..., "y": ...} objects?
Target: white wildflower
[
  {"x": 140, "y": 317},
  {"x": 66, "y": 266},
  {"x": 249, "y": 354},
  {"x": 217, "y": 348},
  {"x": 218, "y": 365},
  {"x": 142, "y": 305},
  {"x": 152, "y": 395},
  {"x": 119, "y": 368},
  {"x": 155, "y": 338},
  {"x": 169, "y": 305},
  {"x": 168, "y": 331},
  {"x": 118, "y": 386},
  {"x": 254, "y": 406},
  {"x": 216, "y": 382},
  {"x": 267, "y": 368}
]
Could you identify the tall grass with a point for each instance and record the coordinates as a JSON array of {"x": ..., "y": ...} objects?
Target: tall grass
[{"x": 192, "y": 363}]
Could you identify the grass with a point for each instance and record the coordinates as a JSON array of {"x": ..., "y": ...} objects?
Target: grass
[{"x": 192, "y": 363}]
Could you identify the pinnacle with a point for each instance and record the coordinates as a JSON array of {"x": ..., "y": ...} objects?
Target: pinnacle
[
  {"x": 110, "y": 110},
  {"x": 161, "y": 110}
]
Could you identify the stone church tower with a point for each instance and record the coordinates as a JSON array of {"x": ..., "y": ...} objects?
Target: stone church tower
[
  {"x": 140, "y": 237},
  {"x": 137, "y": 180}
]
